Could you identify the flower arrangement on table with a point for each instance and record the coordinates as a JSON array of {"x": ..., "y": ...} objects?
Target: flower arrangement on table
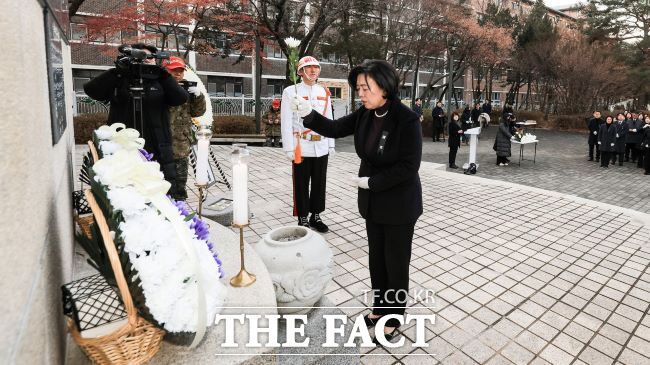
[
  {"x": 524, "y": 137},
  {"x": 172, "y": 269}
]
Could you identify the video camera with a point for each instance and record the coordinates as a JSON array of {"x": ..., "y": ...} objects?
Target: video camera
[
  {"x": 185, "y": 84},
  {"x": 132, "y": 60}
]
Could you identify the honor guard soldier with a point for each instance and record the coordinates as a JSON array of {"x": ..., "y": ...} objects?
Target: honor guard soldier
[{"x": 307, "y": 150}]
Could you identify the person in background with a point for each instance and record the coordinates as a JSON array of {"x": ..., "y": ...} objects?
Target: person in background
[
  {"x": 417, "y": 108},
  {"x": 272, "y": 126},
  {"x": 455, "y": 132},
  {"x": 594, "y": 125},
  {"x": 645, "y": 145},
  {"x": 465, "y": 121},
  {"x": 640, "y": 150},
  {"x": 507, "y": 109},
  {"x": 607, "y": 141},
  {"x": 388, "y": 140},
  {"x": 180, "y": 121},
  {"x": 634, "y": 136},
  {"x": 487, "y": 107},
  {"x": 160, "y": 92},
  {"x": 476, "y": 115},
  {"x": 438, "y": 115},
  {"x": 621, "y": 137},
  {"x": 502, "y": 144}
]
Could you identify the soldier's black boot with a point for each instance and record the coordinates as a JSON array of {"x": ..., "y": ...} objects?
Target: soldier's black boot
[
  {"x": 316, "y": 222},
  {"x": 302, "y": 221}
]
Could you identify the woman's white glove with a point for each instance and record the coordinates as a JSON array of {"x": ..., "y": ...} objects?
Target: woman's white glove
[
  {"x": 613, "y": 144},
  {"x": 361, "y": 182},
  {"x": 332, "y": 152},
  {"x": 598, "y": 142},
  {"x": 595, "y": 133},
  {"x": 616, "y": 135},
  {"x": 301, "y": 106},
  {"x": 291, "y": 155},
  {"x": 194, "y": 90}
]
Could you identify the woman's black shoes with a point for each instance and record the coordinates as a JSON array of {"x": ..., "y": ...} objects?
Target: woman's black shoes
[
  {"x": 389, "y": 336},
  {"x": 370, "y": 322}
]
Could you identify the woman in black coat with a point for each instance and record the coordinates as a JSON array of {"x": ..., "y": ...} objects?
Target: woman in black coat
[
  {"x": 607, "y": 141},
  {"x": 455, "y": 132},
  {"x": 502, "y": 144},
  {"x": 388, "y": 140}
]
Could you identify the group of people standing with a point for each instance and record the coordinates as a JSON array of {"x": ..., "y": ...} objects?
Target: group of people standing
[{"x": 620, "y": 139}]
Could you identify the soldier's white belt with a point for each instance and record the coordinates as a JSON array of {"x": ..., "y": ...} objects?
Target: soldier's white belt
[{"x": 311, "y": 137}]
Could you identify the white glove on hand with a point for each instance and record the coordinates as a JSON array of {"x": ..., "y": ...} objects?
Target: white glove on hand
[
  {"x": 646, "y": 146},
  {"x": 291, "y": 155},
  {"x": 599, "y": 142},
  {"x": 332, "y": 152},
  {"x": 634, "y": 130},
  {"x": 616, "y": 135},
  {"x": 612, "y": 144},
  {"x": 194, "y": 90},
  {"x": 360, "y": 182},
  {"x": 595, "y": 133},
  {"x": 301, "y": 106}
]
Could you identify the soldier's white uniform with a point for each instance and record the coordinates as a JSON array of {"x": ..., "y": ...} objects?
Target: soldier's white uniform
[
  {"x": 309, "y": 176},
  {"x": 312, "y": 144}
]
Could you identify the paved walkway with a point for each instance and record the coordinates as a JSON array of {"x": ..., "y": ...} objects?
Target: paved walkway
[
  {"x": 521, "y": 275},
  {"x": 561, "y": 166}
]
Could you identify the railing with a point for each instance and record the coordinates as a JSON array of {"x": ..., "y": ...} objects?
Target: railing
[{"x": 220, "y": 105}]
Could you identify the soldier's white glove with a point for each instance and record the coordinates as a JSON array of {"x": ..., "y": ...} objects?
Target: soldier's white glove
[
  {"x": 616, "y": 135},
  {"x": 613, "y": 144},
  {"x": 599, "y": 142},
  {"x": 595, "y": 133},
  {"x": 634, "y": 130},
  {"x": 361, "y": 182},
  {"x": 301, "y": 106},
  {"x": 647, "y": 145},
  {"x": 291, "y": 155},
  {"x": 332, "y": 152},
  {"x": 194, "y": 90}
]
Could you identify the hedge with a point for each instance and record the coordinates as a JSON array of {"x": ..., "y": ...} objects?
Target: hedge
[{"x": 85, "y": 124}]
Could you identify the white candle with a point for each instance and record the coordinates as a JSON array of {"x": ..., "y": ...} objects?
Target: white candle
[
  {"x": 203, "y": 146},
  {"x": 240, "y": 194}
]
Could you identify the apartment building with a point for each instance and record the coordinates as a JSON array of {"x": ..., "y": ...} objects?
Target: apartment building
[{"x": 230, "y": 78}]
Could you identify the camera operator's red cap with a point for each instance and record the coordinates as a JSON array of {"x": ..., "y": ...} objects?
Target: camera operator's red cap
[
  {"x": 275, "y": 103},
  {"x": 173, "y": 62}
]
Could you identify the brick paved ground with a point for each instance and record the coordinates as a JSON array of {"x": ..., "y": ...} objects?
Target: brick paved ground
[
  {"x": 521, "y": 275},
  {"x": 561, "y": 166}
]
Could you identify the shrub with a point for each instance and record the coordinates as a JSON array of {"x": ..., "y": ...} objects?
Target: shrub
[
  {"x": 575, "y": 122},
  {"x": 85, "y": 124},
  {"x": 233, "y": 124}
]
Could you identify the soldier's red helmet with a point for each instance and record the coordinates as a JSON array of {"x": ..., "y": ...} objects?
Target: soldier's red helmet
[{"x": 307, "y": 61}]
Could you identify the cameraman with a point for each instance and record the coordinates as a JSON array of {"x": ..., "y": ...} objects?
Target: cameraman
[
  {"x": 136, "y": 70},
  {"x": 181, "y": 124}
]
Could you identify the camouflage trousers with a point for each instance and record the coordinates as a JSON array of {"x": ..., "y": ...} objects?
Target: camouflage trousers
[{"x": 178, "y": 190}]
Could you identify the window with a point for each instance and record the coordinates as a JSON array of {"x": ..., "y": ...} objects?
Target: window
[
  {"x": 405, "y": 92},
  {"x": 515, "y": 5},
  {"x": 225, "y": 86},
  {"x": 157, "y": 32},
  {"x": 80, "y": 77},
  {"x": 115, "y": 37},
  {"x": 274, "y": 87},
  {"x": 336, "y": 92},
  {"x": 331, "y": 57},
  {"x": 273, "y": 50},
  {"x": 496, "y": 96},
  {"x": 78, "y": 32}
]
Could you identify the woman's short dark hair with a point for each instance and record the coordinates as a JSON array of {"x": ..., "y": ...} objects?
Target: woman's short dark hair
[{"x": 382, "y": 72}]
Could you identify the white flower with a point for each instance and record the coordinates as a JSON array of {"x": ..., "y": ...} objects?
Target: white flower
[
  {"x": 127, "y": 199},
  {"x": 292, "y": 42},
  {"x": 109, "y": 147}
]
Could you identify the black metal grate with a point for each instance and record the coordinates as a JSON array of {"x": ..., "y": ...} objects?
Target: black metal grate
[
  {"x": 92, "y": 302},
  {"x": 80, "y": 203}
]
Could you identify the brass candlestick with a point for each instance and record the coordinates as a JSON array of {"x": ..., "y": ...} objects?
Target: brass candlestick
[
  {"x": 201, "y": 187},
  {"x": 243, "y": 278}
]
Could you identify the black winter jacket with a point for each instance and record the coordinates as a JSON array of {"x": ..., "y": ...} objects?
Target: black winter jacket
[
  {"x": 395, "y": 194},
  {"x": 594, "y": 126},
  {"x": 607, "y": 137}
]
